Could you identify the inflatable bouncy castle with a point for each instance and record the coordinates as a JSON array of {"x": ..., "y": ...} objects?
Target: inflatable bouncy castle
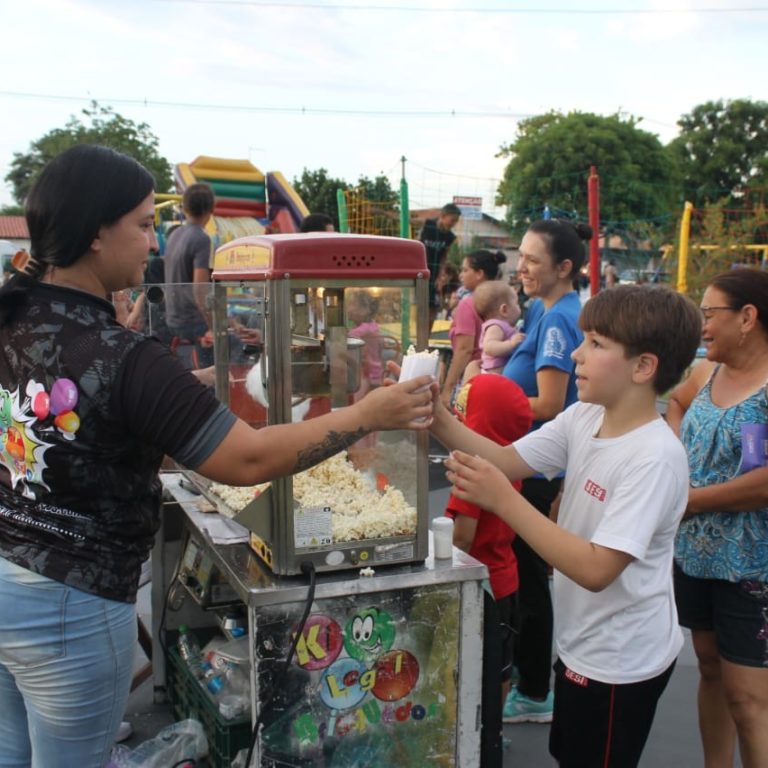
[{"x": 248, "y": 201}]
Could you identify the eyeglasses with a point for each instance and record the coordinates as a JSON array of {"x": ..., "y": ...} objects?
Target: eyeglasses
[{"x": 706, "y": 312}]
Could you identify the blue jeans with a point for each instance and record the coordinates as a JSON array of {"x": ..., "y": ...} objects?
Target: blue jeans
[{"x": 66, "y": 663}]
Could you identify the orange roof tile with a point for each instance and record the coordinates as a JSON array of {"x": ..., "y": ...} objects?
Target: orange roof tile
[{"x": 14, "y": 227}]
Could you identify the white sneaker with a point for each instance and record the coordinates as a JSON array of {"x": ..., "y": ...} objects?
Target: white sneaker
[{"x": 124, "y": 732}]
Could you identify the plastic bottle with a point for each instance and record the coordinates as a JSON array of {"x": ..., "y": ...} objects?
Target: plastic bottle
[
  {"x": 189, "y": 650},
  {"x": 234, "y": 699},
  {"x": 213, "y": 679}
]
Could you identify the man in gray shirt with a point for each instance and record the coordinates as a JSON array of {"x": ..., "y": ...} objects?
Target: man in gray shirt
[{"x": 188, "y": 276}]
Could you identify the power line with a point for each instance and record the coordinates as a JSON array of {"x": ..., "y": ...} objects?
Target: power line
[
  {"x": 458, "y": 175},
  {"x": 442, "y": 114},
  {"x": 273, "y": 109},
  {"x": 430, "y": 9}
]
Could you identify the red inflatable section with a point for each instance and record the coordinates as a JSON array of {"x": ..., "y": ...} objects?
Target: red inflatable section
[{"x": 241, "y": 208}]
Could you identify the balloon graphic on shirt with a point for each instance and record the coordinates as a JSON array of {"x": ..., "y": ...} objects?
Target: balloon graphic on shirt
[
  {"x": 5, "y": 410},
  {"x": 68, "y": 421},
  {"x": 41, "y": 405},
  {"x": 64, "y": 396},
  {"x": 14, "y": 444}
]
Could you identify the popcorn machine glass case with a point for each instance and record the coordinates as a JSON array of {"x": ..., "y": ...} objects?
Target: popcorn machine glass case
[{"x": 304, "y": 324}]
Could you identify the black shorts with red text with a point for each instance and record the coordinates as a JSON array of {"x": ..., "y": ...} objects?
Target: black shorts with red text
[{"x": 602, "y": 725}]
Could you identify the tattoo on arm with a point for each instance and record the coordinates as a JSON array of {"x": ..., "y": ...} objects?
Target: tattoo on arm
[{"x": 332, "y": 444}]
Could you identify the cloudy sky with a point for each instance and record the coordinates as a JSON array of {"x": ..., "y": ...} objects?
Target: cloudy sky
[{"x": 353, "y": 86}]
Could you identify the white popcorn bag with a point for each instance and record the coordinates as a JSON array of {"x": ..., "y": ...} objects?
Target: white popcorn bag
[{"x": 419, "y": 364}]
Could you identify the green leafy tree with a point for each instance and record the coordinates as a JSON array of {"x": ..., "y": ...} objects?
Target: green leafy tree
[
  {"x": 318, "y": 191},
  {"x": 102, "y": 125},
  {"x": 12, "y": 210},
  {"x": 549, "y": 163},
  {"x": 379, "y": 190},
  {"x": 722, "y": 150}
]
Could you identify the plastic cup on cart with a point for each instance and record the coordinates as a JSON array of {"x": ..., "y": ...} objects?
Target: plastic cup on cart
[{"x": 442, "y": 538}]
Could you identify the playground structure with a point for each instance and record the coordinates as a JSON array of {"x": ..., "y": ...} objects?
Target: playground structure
[
  {"x": 248, "y": 201},
  {"x": 695, "y": 254},
  {"x": 362, "y": 216}
]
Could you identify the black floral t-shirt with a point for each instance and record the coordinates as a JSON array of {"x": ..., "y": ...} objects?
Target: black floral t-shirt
[{"x": 88, "y": 408}]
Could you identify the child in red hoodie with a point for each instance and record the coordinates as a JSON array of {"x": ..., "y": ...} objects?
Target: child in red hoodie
[{"x": 497, "y": 408}]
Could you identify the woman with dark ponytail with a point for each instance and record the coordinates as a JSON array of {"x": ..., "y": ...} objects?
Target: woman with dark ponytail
[
  {"x": 551, "y": 256},
  {"x": 466, "y": 325},
  {"x": 88, "y": 409}
]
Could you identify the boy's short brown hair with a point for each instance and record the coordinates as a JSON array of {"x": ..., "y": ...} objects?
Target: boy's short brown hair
[
  {"x": 489, "y": 296},
  {"x": 648, "y": 319},
  {"x": 198, "y": 200}
]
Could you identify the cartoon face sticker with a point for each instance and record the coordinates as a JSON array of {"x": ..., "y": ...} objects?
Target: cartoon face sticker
[{"x": 368, "y": 634}]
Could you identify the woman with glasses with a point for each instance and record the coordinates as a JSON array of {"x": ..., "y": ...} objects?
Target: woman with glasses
[{"x": 721, "y": 554}]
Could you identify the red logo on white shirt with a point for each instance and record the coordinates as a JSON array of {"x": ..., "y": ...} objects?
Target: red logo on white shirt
[{"x": 593, "y": 489}]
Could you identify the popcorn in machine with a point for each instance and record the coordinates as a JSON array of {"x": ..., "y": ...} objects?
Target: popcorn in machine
[{"x": 321, "y": 315}]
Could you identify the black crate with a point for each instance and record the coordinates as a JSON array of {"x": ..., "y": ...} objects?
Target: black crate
[{"x": 188, "y": 699}]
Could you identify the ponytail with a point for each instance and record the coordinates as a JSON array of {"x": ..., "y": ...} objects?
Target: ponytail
[{"x": 487, "y": 261}]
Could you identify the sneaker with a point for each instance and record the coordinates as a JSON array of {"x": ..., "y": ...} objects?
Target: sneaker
[
  {"x": 518, "y": 708},
  {"x": 124, "y": 732}
]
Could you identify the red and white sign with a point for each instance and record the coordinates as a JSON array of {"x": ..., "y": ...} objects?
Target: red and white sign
[{"x": 470, "y": 206}]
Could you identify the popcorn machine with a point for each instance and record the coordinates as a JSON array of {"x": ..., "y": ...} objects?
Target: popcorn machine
[{"x": 304, "y": 324}]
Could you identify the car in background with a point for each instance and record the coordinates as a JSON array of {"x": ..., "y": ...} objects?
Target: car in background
[{"x": 632, "y": 276}]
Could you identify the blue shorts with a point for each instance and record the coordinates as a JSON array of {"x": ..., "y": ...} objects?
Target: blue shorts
[{"x": 737, "y": 612}]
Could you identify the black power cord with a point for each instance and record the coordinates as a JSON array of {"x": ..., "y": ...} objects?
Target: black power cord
[{"x": 308, "y": 569}]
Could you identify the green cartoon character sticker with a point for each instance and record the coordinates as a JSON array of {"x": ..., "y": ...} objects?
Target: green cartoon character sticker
[{"x": 368, "y": 634}]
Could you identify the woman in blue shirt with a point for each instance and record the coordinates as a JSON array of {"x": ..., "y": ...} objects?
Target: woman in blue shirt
[{"x": 551, "y": 255}]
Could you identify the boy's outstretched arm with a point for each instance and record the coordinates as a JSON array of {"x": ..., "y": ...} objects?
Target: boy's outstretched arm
[
  {"x": 455, "y": 435},
  {"x": 591, "y": 566}
]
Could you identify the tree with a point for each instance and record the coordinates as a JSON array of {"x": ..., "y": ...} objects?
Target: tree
[
  {"x": 104, "y": 126},
  {"x": 378, "y": 190},
  {"x": 723, "y": 150},
  {"x": 318, "y": 191},
  {"x": 550, "y": 160},
  {"x": 12, "y": 210}
]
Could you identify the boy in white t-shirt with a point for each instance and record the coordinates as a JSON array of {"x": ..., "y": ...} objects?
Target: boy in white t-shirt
[{"x": 625, "y": 491}]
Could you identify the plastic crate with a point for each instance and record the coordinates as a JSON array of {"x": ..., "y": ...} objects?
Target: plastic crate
[{"x": 188, "y": 699}]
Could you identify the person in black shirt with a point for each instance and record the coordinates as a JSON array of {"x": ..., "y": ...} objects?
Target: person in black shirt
[
  {"x": 88, "y": 408},
  {"x": 437, "y": 238}
]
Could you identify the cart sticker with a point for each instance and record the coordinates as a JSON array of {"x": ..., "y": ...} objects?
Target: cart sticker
[
  {"x": 378, "y": 681},
  {"x": 312, "y": 527},
  {"x": 387, "y": 553},
  {"x": 345, "y": 684},
  {"x": 320, "y": 642},
  {"x": 368, "y": 634}
]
